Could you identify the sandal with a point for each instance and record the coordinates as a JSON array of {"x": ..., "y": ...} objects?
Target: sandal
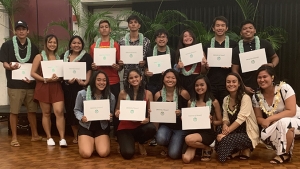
[
  {"x": 75, "y": 141},
  {"x": 245, "y": 155},
  {"x": 233, "y": 156},
  {"x": 283, "y": 160},
  {"x": 15, "y": 143},
  {"x": 206, "y": 155},
  {"x": 163, "y": 153},
  {"x": 39, "y": 138}
]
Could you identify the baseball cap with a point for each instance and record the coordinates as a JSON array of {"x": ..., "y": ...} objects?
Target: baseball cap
[{"x": 21, "y": 23}]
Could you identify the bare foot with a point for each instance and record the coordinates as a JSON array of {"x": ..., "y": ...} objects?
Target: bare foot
[{"x": 142, "y": 149}]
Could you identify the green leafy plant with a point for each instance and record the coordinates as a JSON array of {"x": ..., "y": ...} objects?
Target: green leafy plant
[{"x": 202, "y": 34}]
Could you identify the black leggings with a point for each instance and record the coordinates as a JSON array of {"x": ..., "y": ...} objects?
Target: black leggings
[{"x": 128, "y": 137}]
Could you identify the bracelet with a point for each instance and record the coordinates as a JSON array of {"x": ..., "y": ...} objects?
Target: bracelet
[{"x": 45, "y": 80}]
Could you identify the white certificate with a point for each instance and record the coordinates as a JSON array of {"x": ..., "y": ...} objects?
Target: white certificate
[
  {"x": 132, "y": 110},
  {"x": 251, "y": 61},
  {"x": 192, "y": 54},
  {"x": 104, "y": 56},
  {"x": 96, "y": 109},
  {"x": 52, "y": 67},
  {"x": 158, "y": 64},
  {"x": 131, "y": 54},
  {"x": 195, "y": 118},
  {"x": 74, "y": 70},
  {"x": 23, "y": 71},
  {"x": 219, "y": 57},
  {"x": 163, "y": 112}
]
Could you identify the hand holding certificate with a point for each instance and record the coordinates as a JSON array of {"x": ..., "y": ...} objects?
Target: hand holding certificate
[
  {"x": 52, "y": 67},
  {"x": 131, "y": 54},
  {"x": 163, "y": 112},
  {"x": 251, "y": 61},
  {"x": 96, "y": 109},
  {"x": 74, "y": 70},
  {"x": 132, "y": 110},
  {"x": 104, "y": 56},
  {"x": 158, "y": 64},
  {"x": 195, "y": 118},
  {"x": 22, "y": 72},
  {"x": 192, "y": 54},
  {"x": 219, "y": 57}
]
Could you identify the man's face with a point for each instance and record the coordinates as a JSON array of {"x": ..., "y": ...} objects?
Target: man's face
[
  {"x": 248, "y": 31},
  {"x": 220, "y": 28},
  {"x": 104, "y": 29},
  {"x": 134, "y": 25},
  {"x": 21, "y": 32},
  {"x": 161, "y": 40}
]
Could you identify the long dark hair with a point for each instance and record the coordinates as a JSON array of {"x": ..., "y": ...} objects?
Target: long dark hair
[
  {"x": 47, "y": 39},
  {"x": 70, "y": 42},
  {"x": 241, "y": 89},
  {"x": 129, "y": 89},
  {"x": 269, "y": 70},
  {"x": 208, "y": 94},
  {"x": 182, "y": 45},
  {"x": 106, "y": 91},
  {"x": 178, "y": 86}
]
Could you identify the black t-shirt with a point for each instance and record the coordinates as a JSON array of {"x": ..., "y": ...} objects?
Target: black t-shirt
[
  {"x": 217, "y": 75},
  {"x": 249, "y": 78},
  {"x": 7, "y": 54},
  {"x": 156, "y": 78}
]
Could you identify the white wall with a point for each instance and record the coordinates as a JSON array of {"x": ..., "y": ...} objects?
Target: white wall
[{"x": 4, "y": 33}]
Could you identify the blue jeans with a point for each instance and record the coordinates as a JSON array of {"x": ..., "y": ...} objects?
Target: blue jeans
[{"x": 173, "y": 139}]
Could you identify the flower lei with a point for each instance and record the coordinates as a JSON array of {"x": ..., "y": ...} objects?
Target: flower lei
[
  {"x": 127, "y": 39},
  {"x": 212, "y": 42},
  {"x": 16, "y": 50},
  {"x": 67, "y": 53},
  {"x": 88, "y": 93},
  {"x": 208, "y": 103},
  {"x": 155, "y": 50},
  {"x": 45, "y": 58},
  {"x": 164, "y": 96},
  {"x": 227, "y": 107},
  {"x": 111, "y": 43},
  {"x": 257, "y": 44},
  {"x": 187, "y": 73},
  {"x": 276, "y": 101}
]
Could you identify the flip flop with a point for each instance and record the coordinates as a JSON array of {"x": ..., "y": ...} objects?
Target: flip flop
[
  {"x": 40, "y": 138},
  {"x": 15, "y": 143}
]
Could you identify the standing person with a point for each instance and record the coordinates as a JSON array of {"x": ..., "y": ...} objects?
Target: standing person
[
  {"x": 20, "y": 50},
  {"x": 76, "y": 53},
  {"x": 48, "y": 91},
  {"x": 251, "y": 42},
  {"x": 105, "y": 41},
  {"x": 190, "y": 72},
  {"x": 277, "y": 114},
  {"x": 94, "y": 133},
  {"x": 217, "y": 75},
  {"x": 202, "y": 138},
  {"x": 239, "y": 134},
  {"x": 134, "y": 38},
  {"x": 130, "y": 132},
  {"x": 171, "y": 135}
]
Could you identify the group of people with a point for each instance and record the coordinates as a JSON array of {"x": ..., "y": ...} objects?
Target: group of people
[{"x": 244, "y": 107}]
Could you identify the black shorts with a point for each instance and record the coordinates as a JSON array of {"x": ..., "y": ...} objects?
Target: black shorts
[{"x": 94, "y": 131}]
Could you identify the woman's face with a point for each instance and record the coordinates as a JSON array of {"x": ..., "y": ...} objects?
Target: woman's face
[
  {"x": 232, "y": 83},
  {"x": 264, "y": 79},
  {"x": 51, "y": 44},
  {"x": 170, "y": 79},
  {"x": 187, "y": 38},
  {"x": 76, "y": 45},
  {"x": 100, "y": 81},
  {"x": 134, "y": 79},
  {"x": 200, "y": 87}
]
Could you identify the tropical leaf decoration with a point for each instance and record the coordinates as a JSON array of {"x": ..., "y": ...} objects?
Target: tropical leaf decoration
[
  {"x": 233, "y": 36},
  {"x": 276, "y": 36},
  {"x": 248, "y": 9},
  {"x": 63, "y": 24},
  {"x": 76, "y": 7},
  {"x": 202, "y": 34}
]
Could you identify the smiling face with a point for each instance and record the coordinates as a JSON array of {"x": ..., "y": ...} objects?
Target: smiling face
[
  {"x": 200, "y": 87},
  {"x": 232, "y": 83},
  {"x": 104, "y": 29},
  {"x": 161, "y": 40},
  {"x": 52, "y": 44},
  {"x": 220, "y": 28},
  {"x": 170, "y": 80},
  {"x": 264, "y": 79},
  {"x": 187, "y": 39},
  {"x": 133, "y": 25},
  {"x": 101, "y": 81},
  {"x": 76, "y": 45},
  {"x": 21, "y": 32},
  {"x": 134, "y": 79},
  {"x": 248, "y": 31}
]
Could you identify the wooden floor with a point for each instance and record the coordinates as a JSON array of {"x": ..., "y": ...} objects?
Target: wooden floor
[{"x": 33, "y": 155}]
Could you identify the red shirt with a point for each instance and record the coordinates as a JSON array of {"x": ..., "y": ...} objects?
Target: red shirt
[
  {"x": 197, "y": 70},
  {"x": 110, "y": 71}
]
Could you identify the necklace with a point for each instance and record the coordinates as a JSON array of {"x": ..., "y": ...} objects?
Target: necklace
[
  {"x": 127, "y": 39},
  {"x": 263, "y": 104},
  {"x": 155, "y": 50},
  {"x": 45, "y": 58},
  {"x": 208, "y": 103},
  {"x": 164, "y": 96},
  {"x": 111, "y": 43},
  {"x": 227, "y": 107},
  {"x": 212, "y": 42},
  {"x": 88, "y": 93},
  {"x": 16, "y": 50},
  {"x": 67, "y": 54},
  {"x": 191, "y": 71},
  {"x": 257, "y": 44}
]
